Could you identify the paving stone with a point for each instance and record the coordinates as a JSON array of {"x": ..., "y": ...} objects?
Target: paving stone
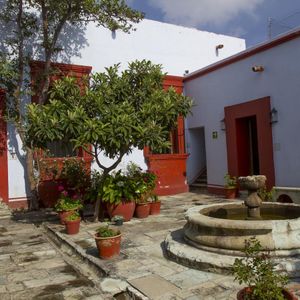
[
  {"x": 113, "y": 286},
  {"x": 154, "y": 286},
  {"x": 2, "y": 290},
  {"x": 14, "y": 287}
]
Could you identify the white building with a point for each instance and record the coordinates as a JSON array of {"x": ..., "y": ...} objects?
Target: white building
[
  {"x": 178, "y": 49},
  {"x": 246, "y": 118}
]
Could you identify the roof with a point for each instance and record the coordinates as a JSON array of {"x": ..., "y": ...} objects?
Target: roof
[{"x": 286, "y": 37}]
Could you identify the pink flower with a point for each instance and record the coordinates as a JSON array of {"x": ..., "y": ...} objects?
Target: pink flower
[
  {"x": 60, "y": 188},
  {"x": 65, "y": 193},
  {"x": 75, "y": 196}
]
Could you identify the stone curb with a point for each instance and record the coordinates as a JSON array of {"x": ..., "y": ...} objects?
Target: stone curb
[{"x": 95, "y": 264}]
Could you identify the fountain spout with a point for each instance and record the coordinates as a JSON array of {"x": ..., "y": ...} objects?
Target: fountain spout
[{"x": 253, "y": 201}]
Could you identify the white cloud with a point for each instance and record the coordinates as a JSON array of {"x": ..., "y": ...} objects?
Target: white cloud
[{"x": 204, "y": 12}]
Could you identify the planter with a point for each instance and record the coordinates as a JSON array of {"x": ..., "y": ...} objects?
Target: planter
[
  {"x": 72, "y": 227},
  {"x": 242, "y": 294},
  {"x": 63, "y": 215},
  {"x": 108, "y": 247},
  {"x": 124, "y": 209},
  {"x": 155, "y": 208},
  {"x": 142, "y": 210},
  {"x": 230, "y": 193}
]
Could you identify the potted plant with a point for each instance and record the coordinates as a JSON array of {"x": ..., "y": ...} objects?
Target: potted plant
[
  {"x": 230, "y": 186},
  {"x": 108, "y": 242},
  {"x": 66, "y": 204},
  {"x": 256, "y": 270},
  {"x": 118, "y": 194},
  {"x": 118, "y": 220},
  {"x": 154, "y": 205},
  {"x": 73, "y": 223}
]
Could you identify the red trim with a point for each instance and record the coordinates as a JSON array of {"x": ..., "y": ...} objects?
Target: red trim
[
  {"x": 244, "y": 54},
  {"x": 3, "y": 151},
  {"x": 261, "y": 109}
]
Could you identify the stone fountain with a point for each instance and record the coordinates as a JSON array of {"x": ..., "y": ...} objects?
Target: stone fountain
[{"x": 215, "y": 234}]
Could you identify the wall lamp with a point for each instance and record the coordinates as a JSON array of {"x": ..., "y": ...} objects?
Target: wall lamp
[
  {"x": 223, "y": 124},
  {"x": 258, "y": 69},
  {"x": 274, "y": 115},
  {"x": 220, "y": 46}
]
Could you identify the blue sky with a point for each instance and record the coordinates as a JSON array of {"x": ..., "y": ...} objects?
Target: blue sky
[{"x": 243, "y": 18}]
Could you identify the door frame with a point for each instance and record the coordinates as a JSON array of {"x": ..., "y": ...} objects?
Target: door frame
[
  {"x": 260, "y": 108},
  {"x": 3, "y": 151}
]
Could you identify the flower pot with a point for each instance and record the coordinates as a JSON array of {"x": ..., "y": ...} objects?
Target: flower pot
[
  {"x": 242, "y": 294},
  {"x": 155, "y": 208},
  {"x": 63, "y": 215},
  {"x": 119, "y": 222},
  {"x": 108, "y": 247},
  {"x": 142, "y": 210},
  {"x": 230, "y": 193},
  {"x": 72, "y": 227},
  {"x": 124, "y": 209}
]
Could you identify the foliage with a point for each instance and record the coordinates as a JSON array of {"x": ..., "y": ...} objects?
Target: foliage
[
  {"x": 105, "y": 231},
  {"x": 67, "y": 202},
  {"x": 154, "y": 198},
  {"x": 94, "y": 191},
  {"x": 230, "y": 181},
  {"x": 256, "y": 270},
  {"x": 265, "y": 195},
  {"x": 73, "y": 217},
  {"x": 144, "y": 182},
  {"x": 117, "y": 218},
  {"x": 116, "y": 113},
  {"x": 117, "y": 188}
]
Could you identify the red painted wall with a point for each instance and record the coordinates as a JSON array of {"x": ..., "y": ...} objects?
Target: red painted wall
[
  {"x": 261, "y": 109},
  {"x": 171, "y": 168},
  {"x": 3, "y": 151}
]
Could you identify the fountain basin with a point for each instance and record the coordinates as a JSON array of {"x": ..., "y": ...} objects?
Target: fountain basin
[{"x": 217, "y": 228}]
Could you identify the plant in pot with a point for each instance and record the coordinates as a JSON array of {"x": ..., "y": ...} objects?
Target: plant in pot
[
  {"x": 66, "y": 204},
  {"x": 118, "y": 194},
  {"x": 118, "y": 220},
  {"x": 256, "y": 270},
  {"x": 230, "y": 186},
  {"x": 108, "y": 242},
  {"x": 73, "y": 223},
  {"x": 154, "y": 205}
]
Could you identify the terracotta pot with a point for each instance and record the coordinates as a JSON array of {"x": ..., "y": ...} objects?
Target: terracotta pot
[
  {"x": 63, "y": 215},
  {"x": 108, "y": 247},
  {"x": 247, "y": 290},
  {"x": 124, "y": 209},
  {"x": 142, "y": 210},
  {"x": 72, "y": 227},
  {"x": 155, "y": 208},
  {"x": 230, "y": 193}
]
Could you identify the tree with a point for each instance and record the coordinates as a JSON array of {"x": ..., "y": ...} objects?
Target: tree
[
  {"x": 29, "y": 26},
  {"x": 115, "y": 113}
]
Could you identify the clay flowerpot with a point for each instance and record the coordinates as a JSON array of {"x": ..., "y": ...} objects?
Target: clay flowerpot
[
  {"x": 108, "y": 247},
  {"x": 155, "y": 208},
  {"x": 242, "y": 294},
  {"x": 142, "y": 210},
  {"x": 63, "y": 215},
  {"x": 72, "y": 227},
  {"x": 230, "y": 193},
  {"x": 124, "y": 209}
]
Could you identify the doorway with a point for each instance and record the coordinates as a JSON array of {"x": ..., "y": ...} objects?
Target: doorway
[
  {"x": 249, "y": 139},
  {"x": 247, "y": 142}
]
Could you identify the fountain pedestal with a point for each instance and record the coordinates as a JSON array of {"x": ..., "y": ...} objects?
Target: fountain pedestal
[{"x": 253, "y": 201}]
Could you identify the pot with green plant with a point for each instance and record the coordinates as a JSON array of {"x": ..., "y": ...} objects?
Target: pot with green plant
[
  {"x": 118, "y": 194},
  {"x": 108, "y": 242},
  {"x": 230, "y": 186},
  {"x": 66, "y": 204},
  {"x": 73, "y": 223},
  {"x": 154, "y": 205},
  {"x": 257, "y": 271},
  {"x": 118, "y": 220}
]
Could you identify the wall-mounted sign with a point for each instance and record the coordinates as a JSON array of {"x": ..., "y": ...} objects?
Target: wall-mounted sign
[{"x": 215, "y": 134}]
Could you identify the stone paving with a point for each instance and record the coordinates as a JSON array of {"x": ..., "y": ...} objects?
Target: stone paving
[{"x": 33, "y": 266}]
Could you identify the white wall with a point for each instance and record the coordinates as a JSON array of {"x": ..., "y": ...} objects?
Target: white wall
[
  {"x": 237, "y": 83},
  {"x": 176, "y": 48}
]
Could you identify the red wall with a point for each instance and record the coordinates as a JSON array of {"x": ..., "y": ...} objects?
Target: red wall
[{"x": 3, "y": 151}]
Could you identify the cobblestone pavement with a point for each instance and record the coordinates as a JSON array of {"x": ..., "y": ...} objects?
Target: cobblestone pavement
[
  {"x": 32, "y": 268},
  {"x": 142, "y": 262}
]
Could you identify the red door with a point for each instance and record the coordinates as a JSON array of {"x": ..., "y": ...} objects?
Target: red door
[{"x": 3, "y": 152}]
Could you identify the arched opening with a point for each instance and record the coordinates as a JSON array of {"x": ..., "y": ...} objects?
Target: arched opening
[{"x": 284, "y": 199}]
